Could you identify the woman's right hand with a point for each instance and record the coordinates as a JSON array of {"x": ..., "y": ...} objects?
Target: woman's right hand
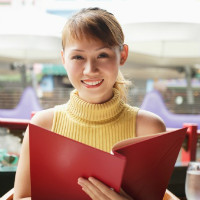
[{"x": 97, "y": 190}]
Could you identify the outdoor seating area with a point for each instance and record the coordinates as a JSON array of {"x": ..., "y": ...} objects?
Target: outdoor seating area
[
  {"x": 119, "y": 87},
  {"x": 16, "y": 124},
  {"x": 176, "y": 184}
]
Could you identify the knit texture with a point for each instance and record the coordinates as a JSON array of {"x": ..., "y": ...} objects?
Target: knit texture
[{"x": 97, "y": 125}]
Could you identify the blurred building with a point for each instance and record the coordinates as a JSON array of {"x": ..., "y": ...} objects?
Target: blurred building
[{"x": 147, "y": 72}]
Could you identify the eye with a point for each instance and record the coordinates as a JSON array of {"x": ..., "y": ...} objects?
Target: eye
[
  {"x": 103, "y": 55},
  {"x": 77, "y": 57}
]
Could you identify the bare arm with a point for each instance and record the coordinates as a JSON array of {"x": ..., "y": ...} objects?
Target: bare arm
[
  {"x": 148, "y": 123},
  {"x": 22, "y": 179},
  {"x": 22, "y": 186}
]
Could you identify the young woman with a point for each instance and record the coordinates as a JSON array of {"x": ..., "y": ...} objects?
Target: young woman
[{"x": 96, "y": 113}]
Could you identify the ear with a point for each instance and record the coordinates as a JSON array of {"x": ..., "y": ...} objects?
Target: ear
[
  {"x": 63, "y": 57},
  {"x": 124, "y": 54}
]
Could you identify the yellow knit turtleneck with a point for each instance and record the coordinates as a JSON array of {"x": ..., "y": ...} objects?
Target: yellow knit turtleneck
[{"x": 97, "y": 125}]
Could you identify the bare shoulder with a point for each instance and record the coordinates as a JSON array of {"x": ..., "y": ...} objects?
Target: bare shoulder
[
  {"x": 148, "y": 123},
  {"x": 44, "y": 118}
]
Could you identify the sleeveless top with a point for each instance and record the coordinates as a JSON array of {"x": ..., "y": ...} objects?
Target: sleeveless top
[{"x": 97, "y": 125}]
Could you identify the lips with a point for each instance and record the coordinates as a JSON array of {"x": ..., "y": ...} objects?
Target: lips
[{"x": 92, "y": 83}]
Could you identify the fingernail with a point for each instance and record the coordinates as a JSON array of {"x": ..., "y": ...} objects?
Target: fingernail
[{"x": 79, "y": 181}]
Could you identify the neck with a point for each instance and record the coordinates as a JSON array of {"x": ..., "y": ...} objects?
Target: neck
[{"x": 95, "y": 112}]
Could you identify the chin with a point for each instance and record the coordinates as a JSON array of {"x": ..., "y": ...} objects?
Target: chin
[{"x": 101, "y": 98}]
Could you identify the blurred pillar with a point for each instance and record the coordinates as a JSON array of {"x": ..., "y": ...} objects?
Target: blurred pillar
[
  {"x": 34, "y": 79},
  {"x": 189, "y": 92},
  {"x": 23, "y": 75}
]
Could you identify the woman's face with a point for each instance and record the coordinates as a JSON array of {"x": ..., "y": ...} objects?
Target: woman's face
[{"x": 92, "y": 68}]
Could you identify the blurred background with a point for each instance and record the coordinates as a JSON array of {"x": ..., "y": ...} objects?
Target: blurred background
[
  {"x": 163, "y": 38},
  {"x": 163, "y": 64}
]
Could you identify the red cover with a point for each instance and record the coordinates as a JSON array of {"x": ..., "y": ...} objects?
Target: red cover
[
  {"x": 56, "y": 163},
  {"x": 150, "y": 163},
  {"x": 144, "y": 163}
]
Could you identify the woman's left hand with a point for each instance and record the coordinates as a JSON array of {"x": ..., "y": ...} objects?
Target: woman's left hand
[{"x": 99, "y": 191}]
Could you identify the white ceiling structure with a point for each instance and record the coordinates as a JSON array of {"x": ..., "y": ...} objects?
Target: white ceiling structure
[
  {"x": 158, "y": 32},
  {"x": 29, "y": 36},
  {"x": 162, "y": 33},
  {"x": 163, "y": 43}
]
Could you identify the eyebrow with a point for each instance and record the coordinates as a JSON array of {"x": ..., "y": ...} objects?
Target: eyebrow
[{"x": 105, "y": 47}]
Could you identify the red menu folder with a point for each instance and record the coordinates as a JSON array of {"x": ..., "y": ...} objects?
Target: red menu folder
[
  {"x": 141, "y": 166},
  {"x": 56, "y": 163},
  {"x": 150, "y": 163}
]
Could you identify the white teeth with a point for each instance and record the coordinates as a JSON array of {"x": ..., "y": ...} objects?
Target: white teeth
[{"x": 92, "y": 83}]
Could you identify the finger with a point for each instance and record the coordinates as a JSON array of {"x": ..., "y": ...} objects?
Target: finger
[
  {"x": 107, "y": 191},
  {"x": 91, "y": 190}
]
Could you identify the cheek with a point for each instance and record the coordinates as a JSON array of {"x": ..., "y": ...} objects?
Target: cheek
[
  {"x": 112, "y": 66},
  {"x": 72, "y": 70},
  {"x": 72, "y": 75},
  {"x": 111, "y": 71}
]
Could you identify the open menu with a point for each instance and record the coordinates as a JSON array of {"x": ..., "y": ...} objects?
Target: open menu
[{"x": 142, "y": 166}]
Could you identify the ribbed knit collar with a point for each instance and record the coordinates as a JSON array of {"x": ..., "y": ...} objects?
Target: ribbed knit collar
[{"x": 95, "y": 112}]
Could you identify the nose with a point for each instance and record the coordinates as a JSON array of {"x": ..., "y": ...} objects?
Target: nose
[{"x": 90, "y": 68}]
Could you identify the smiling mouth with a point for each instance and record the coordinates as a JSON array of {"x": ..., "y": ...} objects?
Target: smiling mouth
[{"x": 92, "y": 83}]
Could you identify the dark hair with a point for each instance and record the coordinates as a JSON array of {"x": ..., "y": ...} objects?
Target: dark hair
[
  {"x": 96, "y": 23},
  {"x": 93, "y": 23}
]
